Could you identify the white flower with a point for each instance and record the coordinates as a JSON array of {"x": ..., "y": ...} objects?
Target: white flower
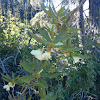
[
  {"x": 59, "y": 44},
  {"x": 37, "y": 54},
  {"x": 46, "y": 56},
  {"x": 7, "y": 87},
  {"x": 11, "y": 85},
  {"x": 77, "y": 59}
]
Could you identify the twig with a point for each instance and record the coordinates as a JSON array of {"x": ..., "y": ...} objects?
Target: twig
[
  {"x": 2, "y": 67},
  {"x": 8, "y": 58},
  {"x": 60, "y": 3},
  {"x": 13, "y": 94},
  {"x": 40, "y": 64},
  {"x": 76, "y": 95},
  {"x": 25, "y": 89},
  {"x": 69, "y": 18},
  {"x": 16, "y": 57}
]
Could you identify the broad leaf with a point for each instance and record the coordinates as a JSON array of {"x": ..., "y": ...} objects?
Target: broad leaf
[
  {"x": 42, "y": 66},
  {"x": 27, "y": 66},
  {"x": 45, "y": 34},
  {"x": 59, "y": 37},
  {"x": 42, "y": 82},
  {"x": 26, "y": 78}
]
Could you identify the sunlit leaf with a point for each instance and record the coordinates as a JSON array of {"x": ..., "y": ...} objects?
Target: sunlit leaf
[{"x": 61, "y": 11}]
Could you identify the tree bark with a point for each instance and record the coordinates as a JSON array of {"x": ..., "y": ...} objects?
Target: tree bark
[
  {"x": 81, "y": 24},
  {"x": 94, "y": 7}
]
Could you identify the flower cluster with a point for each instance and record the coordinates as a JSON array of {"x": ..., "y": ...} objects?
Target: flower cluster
[
  {"x": 40, "y": 55},
  {"x": 7, "y": 87}
]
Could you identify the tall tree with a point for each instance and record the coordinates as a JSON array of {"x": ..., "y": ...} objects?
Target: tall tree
[
  {"x": 81, "y": 24},
  {"x": 94, "y": 7}
]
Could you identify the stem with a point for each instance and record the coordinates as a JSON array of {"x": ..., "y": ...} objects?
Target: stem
[
  {"x": 13, "y": 93},
  {"x": 25, "y": 89},
  {"x": 40, "y": 64},
  {"x": 9, "y": 94}
]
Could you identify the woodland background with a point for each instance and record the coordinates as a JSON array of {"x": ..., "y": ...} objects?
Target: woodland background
[{"x": 16, "y": 43}]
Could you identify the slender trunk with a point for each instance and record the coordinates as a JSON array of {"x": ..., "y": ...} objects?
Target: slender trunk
[{"x": 81, "y": 24}]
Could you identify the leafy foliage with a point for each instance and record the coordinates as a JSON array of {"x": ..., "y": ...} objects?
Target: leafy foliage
[{"x": 61, "y": 76}]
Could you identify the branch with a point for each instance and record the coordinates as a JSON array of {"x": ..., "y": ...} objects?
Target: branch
[
  {"x": 40, "y": 64},
  {"x": 60, "y": 3},
  {"x": 70, "y": 17},
  {"x": 25, "y": 89},
  {"x": 16, "y": 57},
  {"x": 8, "y": 58},
  {"x": 2, "y": 67}
]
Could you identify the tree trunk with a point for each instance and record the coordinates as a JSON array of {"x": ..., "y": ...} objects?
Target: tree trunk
[
  {"x": 94, "y": 7},
  {"x": 81, "y": 24}
]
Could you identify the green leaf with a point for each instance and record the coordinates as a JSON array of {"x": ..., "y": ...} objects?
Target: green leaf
[
  {"x": 29, "y": 98},
  {"x": 60, "y": 69},
  {"x": 10, "y": 98},
  {"x": 46, "y": 69},
  {"x": 24, "y": 97},
  {"x": 13, "y": 76},
  {"x": 45, "y": 34},
  {"x": 53, "y": 13},
  {"x": 35, "y": 63},
  {"x": 26, "y": 78},
  {"x": 42, "y": 66},
  {"x": 7, "y": 80},
  {"x": 6, "y": 77},
  {"x": 54, "y": 8},
  {"x": 43, "y": 8},
  {"x": 52, "y": 32},
  {"x": 63, "y": 38},
  {"x": 50, "y": 14},
  {"x": 39, "y": 40},
  {"x": 27, "y": 67},
  {"x": 54, "y": 75},
  {"x": 59, "y": 37},
  {"x": 70, "y": 49},
  {"x": 74, "y": 30},
  {"x": 64, "y": 14},
  {"x": 42, "y": 82},
  {"x": 17, "y": 77},
  {"x": 61, "y": 11},
  {"x": 42, "y": 92},
  {"x": 82, "y": 56}
]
